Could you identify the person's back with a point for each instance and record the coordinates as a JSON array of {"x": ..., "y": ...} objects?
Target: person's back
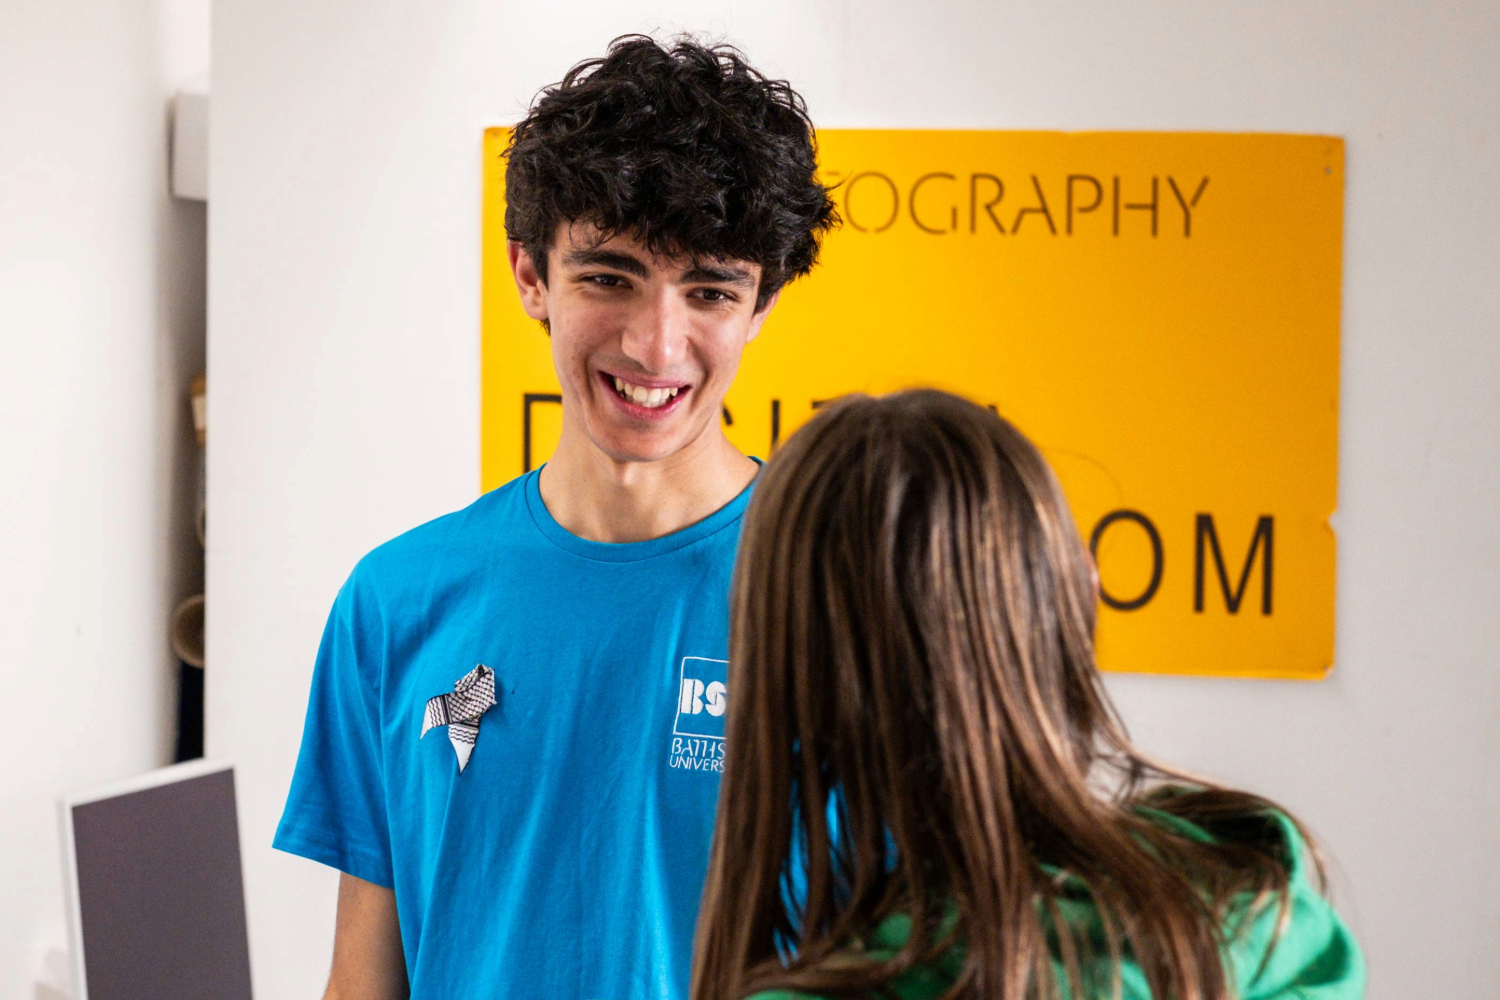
[
  {"x": 1311, "y": 958},
  {"x": 927, "y": 791}
]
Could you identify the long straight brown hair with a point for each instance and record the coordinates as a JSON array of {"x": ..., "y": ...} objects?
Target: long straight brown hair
[{"x": 912, "y": 652}]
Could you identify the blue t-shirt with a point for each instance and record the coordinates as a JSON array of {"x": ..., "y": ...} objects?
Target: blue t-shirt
[{"x": 566, "y": 859}]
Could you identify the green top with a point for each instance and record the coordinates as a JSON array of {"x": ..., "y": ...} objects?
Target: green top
[{"x": 1316, "y": 957}]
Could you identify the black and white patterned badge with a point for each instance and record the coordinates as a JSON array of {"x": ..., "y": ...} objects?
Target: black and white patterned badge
[{"x": 473, "y": 695}]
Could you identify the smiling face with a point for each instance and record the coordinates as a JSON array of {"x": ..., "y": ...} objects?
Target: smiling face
[{"x": 645, "y": 347}]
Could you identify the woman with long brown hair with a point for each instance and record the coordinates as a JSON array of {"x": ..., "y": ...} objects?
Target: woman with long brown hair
[{"x": 927, "y": 792}]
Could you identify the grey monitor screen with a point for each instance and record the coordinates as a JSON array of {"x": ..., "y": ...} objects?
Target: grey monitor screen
[{"x": 160, "y": 900}]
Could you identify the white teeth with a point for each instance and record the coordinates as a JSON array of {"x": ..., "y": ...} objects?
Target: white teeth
[{"x": 642, "y": 396}]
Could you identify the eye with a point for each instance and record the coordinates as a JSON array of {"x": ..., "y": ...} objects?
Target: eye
[
  {"x": 715, "y": 295},
  {"x": 604, "y": 280}
]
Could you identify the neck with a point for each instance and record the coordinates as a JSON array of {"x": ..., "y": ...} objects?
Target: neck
[{"x": 604, "y": 499}]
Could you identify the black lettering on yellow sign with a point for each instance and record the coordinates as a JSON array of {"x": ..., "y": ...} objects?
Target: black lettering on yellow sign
[
  {"x": 1264, "y": 532},
  {"x": 527, "y": 401},
  {"x": 1205, "y": 536},
  {"x": 849, "y": 197},
  {"x": 1206, "y": 539},
  {"x": 989, "y": 206},
  {"x": 872, "y": 201},
  {"x": 1073, "y": 208},
  {"x": 1187, "y": 205},
  {"x": 1157, "y": 559},
  {"x": 1140, "y": 206},
  {"x": 1040, "y": 208},
  {"x": 952, "y": 209}
]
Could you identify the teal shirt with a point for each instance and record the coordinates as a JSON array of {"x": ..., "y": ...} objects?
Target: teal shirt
[
  {"x": 1316, "y": 957},
  {"x": 556, "y": 847}
]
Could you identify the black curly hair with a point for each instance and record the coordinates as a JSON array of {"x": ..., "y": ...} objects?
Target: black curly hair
[{"x": 687, "y": 148}]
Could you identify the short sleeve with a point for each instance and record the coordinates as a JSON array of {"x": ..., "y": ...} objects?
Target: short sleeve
[
  {"x": 1315, "y": 956},
  {"x": 335, "y": 810}
]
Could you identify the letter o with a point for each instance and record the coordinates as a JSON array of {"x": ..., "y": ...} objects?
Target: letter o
[
  {"x": 1156, "y": 557},
  {"x": 849, "y": 195}
]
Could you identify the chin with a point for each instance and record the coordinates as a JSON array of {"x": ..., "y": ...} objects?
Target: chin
[
  {"x": 631, "y": 445},
  {"x": 639, "y": 451}
]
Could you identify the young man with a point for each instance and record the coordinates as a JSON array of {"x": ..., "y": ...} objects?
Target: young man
[{"x": 514, "y": 736}]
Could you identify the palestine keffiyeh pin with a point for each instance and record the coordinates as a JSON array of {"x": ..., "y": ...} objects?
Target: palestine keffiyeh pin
[{"x": 473, "y": 695}]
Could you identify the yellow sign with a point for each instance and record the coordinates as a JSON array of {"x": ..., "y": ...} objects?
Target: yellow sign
[{"x": 1158, "y": 311}]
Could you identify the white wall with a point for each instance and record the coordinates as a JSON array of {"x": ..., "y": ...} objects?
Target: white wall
[
  {"x": 101, "y": 320},
  {"x": 344, "y": 346}
]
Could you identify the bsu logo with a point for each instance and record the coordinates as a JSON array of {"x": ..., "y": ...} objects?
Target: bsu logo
[
  {"x": 702, "y": 697},
  {"x": 694, "y": 693}
]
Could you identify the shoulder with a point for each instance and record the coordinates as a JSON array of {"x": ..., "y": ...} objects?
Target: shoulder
[
  {"x": 1204, "y": 817},
  {"x": 1277, "y": 946},
  {"x": 1298, "y": 946},
  {"x": 421, "y": 559},
  {"x": 1292, "y": 945}
]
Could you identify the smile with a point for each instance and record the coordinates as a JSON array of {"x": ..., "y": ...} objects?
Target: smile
[{"x": 642, "y": 399}]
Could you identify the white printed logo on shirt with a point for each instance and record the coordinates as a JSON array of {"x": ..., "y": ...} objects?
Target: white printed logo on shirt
[{"x": 698, "y": 729}]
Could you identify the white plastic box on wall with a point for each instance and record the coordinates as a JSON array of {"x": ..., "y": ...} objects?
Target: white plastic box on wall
[{"x": 190, "y": 141}]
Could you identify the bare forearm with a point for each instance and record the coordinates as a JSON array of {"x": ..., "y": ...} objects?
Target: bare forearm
[{"x": 368, "y": 963}]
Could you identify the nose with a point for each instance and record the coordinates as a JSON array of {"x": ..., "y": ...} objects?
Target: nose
[{"x": 657, "y": 335}]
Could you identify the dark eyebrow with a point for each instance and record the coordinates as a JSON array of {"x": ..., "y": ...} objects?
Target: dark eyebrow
[
  {"x": 607, "y": 258},
  {"x": 717, "y": 275}
]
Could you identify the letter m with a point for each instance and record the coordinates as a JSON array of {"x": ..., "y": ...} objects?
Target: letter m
[{"x": 1264, "y": 534}]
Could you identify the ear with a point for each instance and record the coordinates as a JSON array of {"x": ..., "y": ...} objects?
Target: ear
[
  {"x": 760, "y": 315},
  {"x": 528, "y": 282}
]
